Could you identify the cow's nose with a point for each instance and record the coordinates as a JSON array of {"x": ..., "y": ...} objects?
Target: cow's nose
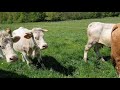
[
  {"x": 45, "y": 46},
  {"x": 14, "y": 58}
]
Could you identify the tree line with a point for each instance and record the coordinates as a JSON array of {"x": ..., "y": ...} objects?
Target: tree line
[{"x": 23, "y": 17}]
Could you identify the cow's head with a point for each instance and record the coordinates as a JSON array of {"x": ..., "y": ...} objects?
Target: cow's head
[
  {"x": 6, "y": 45},
  {"x": 39, "y": 37}
]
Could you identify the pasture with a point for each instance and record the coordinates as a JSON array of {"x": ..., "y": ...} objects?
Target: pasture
[{"x": 64, "y": 56}]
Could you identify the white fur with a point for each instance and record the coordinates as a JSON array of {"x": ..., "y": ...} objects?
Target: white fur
[
  {"x": 24, "y": 45},
  {"x": 99, "y": 34}
]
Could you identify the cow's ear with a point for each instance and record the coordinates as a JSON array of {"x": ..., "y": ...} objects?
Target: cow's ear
[
  {"x": 8, "y": 30},
  {"x": 15, "y": 38},
  {"x": 44, "y": 30},
  {"x": 114, "y": 27},
  {"x": 28, "y": 35}
]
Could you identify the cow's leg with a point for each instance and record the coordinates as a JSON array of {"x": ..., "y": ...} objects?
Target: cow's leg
[
  {"x": 33, "y": 54},
  {"x": 1, "y": 54},
  {"x": 39, "y": 57},
  {"x": 97, "y": 48},
  {"x": 37, "y": 53},
  {"x": 116, "y": 64},
  {"x": 88, "y": 46},
  {"x": 25, "y": 57},
  {"x": 113, "y": 60},
  {"x": 117, "y": 67},
  {"x": 40, "y": 60}
]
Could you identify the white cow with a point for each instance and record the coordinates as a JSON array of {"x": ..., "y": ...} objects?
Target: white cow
[
  {"x": 99, "y": 34},
  {"x": 30, "y": 47},
  {"x": 6, "y": 46}
]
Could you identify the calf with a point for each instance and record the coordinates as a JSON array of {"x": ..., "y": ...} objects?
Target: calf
[
  {"x": 99, "y": 34},
  {"x": 115, "y": 47},
  {"x": 6, "y": 45},
  {"x": 30, "y": 47}
]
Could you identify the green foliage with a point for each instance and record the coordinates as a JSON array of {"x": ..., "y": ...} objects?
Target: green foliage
[
  {"x": 58, "y": 16},
  {"x": 23, "y": 17},
  {"x": 54, "y": 16},
  {"x": 36, "y": 16}
]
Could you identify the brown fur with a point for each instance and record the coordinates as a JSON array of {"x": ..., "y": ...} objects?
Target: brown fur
[
  {"x": 115, "y": 47},
  {"x": 28, "y": 35}
]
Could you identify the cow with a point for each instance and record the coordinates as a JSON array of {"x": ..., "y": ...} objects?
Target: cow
[
  {"x": 115, "y": 47},
  {"x": 6, "y": 46},
  {"x": 99, "y": 35},
  {"x": 30, "y": 46}
]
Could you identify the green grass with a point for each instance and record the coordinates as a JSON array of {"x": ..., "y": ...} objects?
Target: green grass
[{"x": 63, "y": 58}]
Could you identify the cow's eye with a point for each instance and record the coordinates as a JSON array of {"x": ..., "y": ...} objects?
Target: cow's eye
[
  {"x": 2, "y": 47},
  {"x": 36, "y": 38}
]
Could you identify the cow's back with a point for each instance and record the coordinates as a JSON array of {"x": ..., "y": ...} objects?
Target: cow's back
[
  {"x": 94, "y": 30},
  {"x": 23, "y": 44},
  {"x": 115, "y": 47},
  {"x": 105, "y": 37},
  {"x": 100, "y": 32},
  {"x": 20, "y": 31}
]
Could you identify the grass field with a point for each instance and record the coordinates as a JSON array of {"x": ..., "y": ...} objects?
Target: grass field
[{"x": 64, "y": 56}]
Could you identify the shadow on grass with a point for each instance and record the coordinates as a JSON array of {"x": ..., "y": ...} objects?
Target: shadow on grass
[
  {"x": 107, "y": 58},
  {"x": 51, "y": 63},
  {"x": 98, "y": 61},
  {"x": 9, "y": 74}
]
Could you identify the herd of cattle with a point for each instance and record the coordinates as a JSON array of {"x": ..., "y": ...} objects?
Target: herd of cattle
[
  {"x": 30, "y": 42},
  {"x": 27, "y": 42}
]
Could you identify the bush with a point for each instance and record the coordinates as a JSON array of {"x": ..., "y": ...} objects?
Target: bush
[
  {"x": 10, "y": 17},
  {"x": 36, "y": 16},
  {"x": 54, "y": 16},
  {"x": 13, "y": 17},
  {"x": 23, "y": 17}
]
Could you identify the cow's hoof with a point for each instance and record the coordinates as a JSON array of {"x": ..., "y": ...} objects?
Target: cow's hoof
[
  {"x": 102, "y": 59},
  {"x": 85, "y": 60},
  {"x": 43, "y": 66}
]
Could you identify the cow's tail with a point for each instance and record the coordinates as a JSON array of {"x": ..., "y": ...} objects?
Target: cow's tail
[
  {"x": 88, "y": 29},
  {"x": 114, "y": 27},
  {"x": 89, "y": 25}
]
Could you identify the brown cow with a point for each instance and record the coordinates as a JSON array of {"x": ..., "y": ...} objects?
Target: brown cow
[{"x": 115, "y": 47}]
